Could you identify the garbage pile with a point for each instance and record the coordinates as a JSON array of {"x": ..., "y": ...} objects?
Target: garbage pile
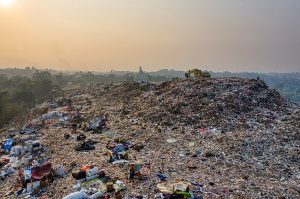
[
  {"x": 191, "y": 138},
  {"x": 219, "y": 105},
  {"x": 23, "y": 155},
  {"x": 92, "y": 183}
]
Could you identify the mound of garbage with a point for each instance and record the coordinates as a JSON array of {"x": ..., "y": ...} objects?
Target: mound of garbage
[
  {"x": 184, "y": 138},
  {"x": 223, "y": 104}
]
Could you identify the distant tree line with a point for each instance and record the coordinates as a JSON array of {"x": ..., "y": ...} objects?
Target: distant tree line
[{"x": 18, "y": 94}]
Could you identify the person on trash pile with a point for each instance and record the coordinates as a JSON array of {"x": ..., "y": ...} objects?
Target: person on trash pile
[
  {"x": 111, "y": 158},
  {"x": 131, "y": 172},
  {"x": 134, "y": 170}
]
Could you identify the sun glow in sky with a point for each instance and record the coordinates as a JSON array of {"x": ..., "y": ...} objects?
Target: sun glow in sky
[
  {"x": 7, "y": 3},
  {"x": 100, "y": 35}
]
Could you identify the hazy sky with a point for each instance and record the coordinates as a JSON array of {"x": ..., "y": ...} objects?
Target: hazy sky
[{"x": 236, "y": 35}]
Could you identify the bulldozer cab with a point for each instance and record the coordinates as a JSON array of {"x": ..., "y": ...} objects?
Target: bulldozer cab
[{"x": 196, "y": 73}]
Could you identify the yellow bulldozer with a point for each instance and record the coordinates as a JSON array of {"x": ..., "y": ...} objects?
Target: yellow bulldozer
[{"x": 196, "y": 73}]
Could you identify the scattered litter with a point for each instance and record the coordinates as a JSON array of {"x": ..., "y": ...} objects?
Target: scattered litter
[{"x": 228, "y": 137}]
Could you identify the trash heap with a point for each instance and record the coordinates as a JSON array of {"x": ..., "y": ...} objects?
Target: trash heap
[
  {"x": 23, "y": 156},
  {"x": 183, "y": 138},
  {"x": 220, "y": 105}
]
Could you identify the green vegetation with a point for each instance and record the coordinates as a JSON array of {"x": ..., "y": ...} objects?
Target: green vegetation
[{"x": 18, "y": 94}]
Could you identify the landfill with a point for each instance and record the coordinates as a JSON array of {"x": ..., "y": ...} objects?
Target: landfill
[{"x": 183, "y": 138}]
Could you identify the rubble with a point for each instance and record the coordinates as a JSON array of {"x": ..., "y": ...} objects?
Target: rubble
[{"x": 189, "y": 138}]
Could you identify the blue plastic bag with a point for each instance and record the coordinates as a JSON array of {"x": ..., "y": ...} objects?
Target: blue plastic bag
[{"x": 7, "y": 144}]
